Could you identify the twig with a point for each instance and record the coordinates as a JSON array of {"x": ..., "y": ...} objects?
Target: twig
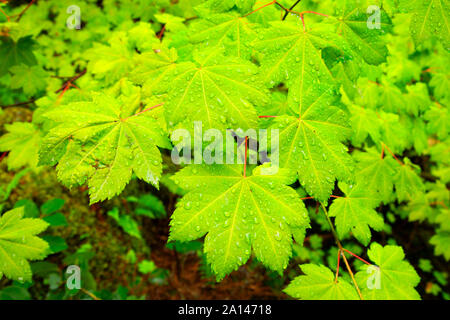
[
  {"x": 337, "y": 268},
  {"x": 162, "y": 32},
  {"x": 290, "y": 9},
  {"x": 90, "y": 294},
  {"x": 19, "y": 104},
  {"x": 392, "y": 154},
  {"x": 266, "y": 5},
  {"x": 146, "y": 110},
  {"x": 24, "y": 10},
  {"x": 70, "y": 82},
  {"x": 7, "y": 17},
  {"x": 336, "y": 238},
  {"x": 4, "y": 154},
  {"x": 357, "y": 257}
]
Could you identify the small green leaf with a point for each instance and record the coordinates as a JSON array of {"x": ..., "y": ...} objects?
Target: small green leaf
[
  {"x": 319, "y": 283},
  {"x": 19, "y": 244},
  {"x": 392, "y": 277}
]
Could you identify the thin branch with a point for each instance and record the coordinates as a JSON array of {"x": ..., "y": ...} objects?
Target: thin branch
[
  {"x": 352, "y": 276},
  {"x": 19, "y": 104},
  {"x": 24, "y": 10},
  {"x": 336, "y": 238},
  {"x": 4, "y": 154},
  {"x": 146, "y": 110},
  {"x": 266, "y": 5},
  {"x": 337, "y": 268},
  {"x": 290, "y": 9},
  {"x": 7, "y": 17},
  {"x": 392, "y": 154},
  {"x": 90, "y": 294},
  {"x": 357, "y": 257},
  {"x": 162, "y": 32}
]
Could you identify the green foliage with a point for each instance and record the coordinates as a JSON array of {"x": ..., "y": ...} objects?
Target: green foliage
[
  {"x": 319, "y": 283},
  {"x": 397, "y": 278},
  {"x": 362, "y": 115},
  {"x": 356, "y": 212},
  {"x": 104, "y": 141},
  {"x": 19, "y": 244},
  {"x": 238, "y": 214}
]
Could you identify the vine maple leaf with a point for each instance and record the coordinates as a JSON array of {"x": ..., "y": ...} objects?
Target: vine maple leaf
[
  {"x": 157, "y": 69},
  {"x": 311, "y": 144},
  {"x": 365, "y": 123},
  {"x": 441, "y": 241},
  {"x": 396, "y": 278},
  {"x": 407, "y": 182},
  {"x": 376, "y": 173},
  {"x": 225, "y": 5},
  {"x": 289, "y": 53},
  {"x": 228, "y": 31},
  {"x": 352, "y": 25},
  {"x": 219, "y": 91},
  {"x": 430, "y": 18},
  {"x": 22, "y": 140},
  {"x": 102, "y": 142},
  {"x": 32, "y": 79},
  {"x": 238, "y": 214},
  {"x": 19, "y": 244},
  {"x": 355, "y": 213},
  {"x": 14, "y": 53},
  {"x": 319, "y": 283}
]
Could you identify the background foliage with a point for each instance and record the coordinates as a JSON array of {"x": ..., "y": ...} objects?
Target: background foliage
[{"x": 87, "y": 120}]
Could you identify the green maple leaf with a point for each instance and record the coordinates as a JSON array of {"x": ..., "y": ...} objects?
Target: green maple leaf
[
  {"x": 114, "y": 61},
  {"x": 441, "y": 85},
  {"x": 438, "y": 119},
  {"x": 32, "y": 79},
  {"x": 19, "y": 244},
  {"x": 352, "y": 25},
  {"x": 396, "y": 277},
  {"x": 394, "y": 130},
  {"x": 102, "y": 142},
  {"x": 157, "y": 69},
  {"x": 356, "y": 213},
  {"x": 311, "y": 143},
  {"x": 219, "y": 91},
  {"x": 417, "y": 99},
  {"x": 365, "y": 123},
  {"x": 407, "y": 182},
  {"x": 225, "y": 5},
  {"x": 376, "y": 173},
  {"x": 391, "y": 98},
  {"x": 430, "y": 18},
  {"x": 289, "y": 53},
  {"x": 228, "y": 31},
  {"x": 318, "y": 283},
  {"x": 441, "y": 241},
  {"x": 238, "y": 214},
  {"x": 13, "y": 53},
  {"x": 22, "y": 141}
]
